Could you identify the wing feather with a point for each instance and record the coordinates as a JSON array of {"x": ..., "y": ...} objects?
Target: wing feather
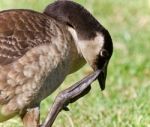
[{"x": 21, "y": 30}]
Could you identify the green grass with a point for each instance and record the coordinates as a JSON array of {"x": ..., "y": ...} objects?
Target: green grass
[{"x": 126, "y": 100}]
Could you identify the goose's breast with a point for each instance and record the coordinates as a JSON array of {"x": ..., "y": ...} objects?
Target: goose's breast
[{"x": 33, "y": 77}]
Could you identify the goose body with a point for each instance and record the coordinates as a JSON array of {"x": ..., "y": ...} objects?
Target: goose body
[
  {"x": 38, "y": 50},
  {"x": 34, "y": 59}
]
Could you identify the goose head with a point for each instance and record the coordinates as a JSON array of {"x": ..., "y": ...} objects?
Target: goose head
[{"x": 93, "y": 41}]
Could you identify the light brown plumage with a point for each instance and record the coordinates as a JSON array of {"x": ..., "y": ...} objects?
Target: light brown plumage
[
  {"x": 22, "y": 30},
  {"x": 35, "y": 56}
]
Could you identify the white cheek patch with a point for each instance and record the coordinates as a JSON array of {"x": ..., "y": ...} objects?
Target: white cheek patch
[
  {"x": 91, "y": 48},
  {"x": 99, "y": 39},
  {"x": 88, "y": 48}
]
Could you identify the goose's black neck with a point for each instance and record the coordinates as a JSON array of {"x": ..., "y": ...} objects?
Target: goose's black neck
[{"x": 75, "y": 16}]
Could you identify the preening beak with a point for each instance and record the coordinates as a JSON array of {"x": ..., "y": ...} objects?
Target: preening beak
[
  {"x": 102, "y": 78},
  {"x": 103, "y": 73}
]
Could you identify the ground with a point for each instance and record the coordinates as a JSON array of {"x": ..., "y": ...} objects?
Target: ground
[{"x": 125, "y": 101}]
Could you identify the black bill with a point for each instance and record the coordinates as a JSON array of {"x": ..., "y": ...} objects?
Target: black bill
[{"x": 102, "y": 78}]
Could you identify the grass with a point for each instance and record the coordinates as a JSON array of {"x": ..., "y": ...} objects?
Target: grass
[{"x": 125, "y": 102}]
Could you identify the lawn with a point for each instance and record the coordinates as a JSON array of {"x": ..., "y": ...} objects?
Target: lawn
[{"x": 126, "y": 99}]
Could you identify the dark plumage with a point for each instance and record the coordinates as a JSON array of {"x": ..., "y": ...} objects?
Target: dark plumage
[{"x": 70, "y": 13}]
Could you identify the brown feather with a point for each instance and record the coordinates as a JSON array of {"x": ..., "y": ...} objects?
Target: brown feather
[{"x": 21, "y": 30}]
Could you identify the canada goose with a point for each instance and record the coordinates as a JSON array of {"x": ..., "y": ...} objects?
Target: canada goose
[{"x": 38, "y": 50}]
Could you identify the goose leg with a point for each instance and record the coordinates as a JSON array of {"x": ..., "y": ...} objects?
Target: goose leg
[
  {"x": 70, "y": 95},
  {"x": 31, "y": 117}
]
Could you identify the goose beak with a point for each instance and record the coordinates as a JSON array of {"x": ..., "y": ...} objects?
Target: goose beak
[{"x": 102, "y": 78}]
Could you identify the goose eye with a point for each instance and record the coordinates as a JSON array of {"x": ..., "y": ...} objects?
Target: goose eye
[{"x": 104, "y": 53}]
